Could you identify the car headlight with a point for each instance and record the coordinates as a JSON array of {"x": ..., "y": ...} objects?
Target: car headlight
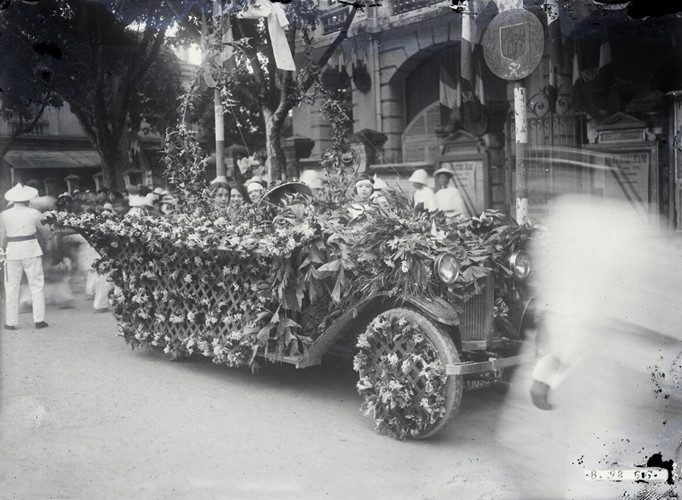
[
  {"x": 519, "y": 262},
  {"x": 447, "y": 268}
]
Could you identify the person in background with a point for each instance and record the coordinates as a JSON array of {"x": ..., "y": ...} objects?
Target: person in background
[
  {"x": 313, "y": 180},
  {"x": 120, "y": 206},
  {"x": 102, "y": 196},
  {"x": 42, "y": 202},
  {"x": 137, "y": 200},
  {"x": 448, "y": 198},
  {"x": 238, "y": 196},
  {"x": 20, "y": 228},
  {"x": 65, "y": 202},
  {"x": 220, "y": 194},
  {"x": 364, "y": 187},
  {"x": 102, "y": 286},
  {"x": 115, "y": 194},
  {"x": 168, "y": 204},
  {"x": 151, "y": 202},
  {"x": 379, "y": 192},
  {"x": 255, "y": 188},
  {"x": 423, "y": 194}
]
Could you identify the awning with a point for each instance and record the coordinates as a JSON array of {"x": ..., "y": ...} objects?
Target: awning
[{"x": 53, "y": 159}]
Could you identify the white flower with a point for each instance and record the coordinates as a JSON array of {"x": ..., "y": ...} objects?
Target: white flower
[
  {"x": 405, "y": 267},
  {"x": 363, "y": 343},
  {"x": 364, "y": 384},
  {"x": 393, "y": 359}
]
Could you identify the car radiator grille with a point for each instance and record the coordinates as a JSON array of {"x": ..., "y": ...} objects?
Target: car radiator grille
[{"x": 476, "y": 319}]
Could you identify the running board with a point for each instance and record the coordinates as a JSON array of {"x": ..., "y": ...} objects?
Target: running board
[{"x": 489, "y": 366}]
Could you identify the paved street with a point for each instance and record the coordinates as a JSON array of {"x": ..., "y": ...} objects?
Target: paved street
[{"x": 85, "y": 417}]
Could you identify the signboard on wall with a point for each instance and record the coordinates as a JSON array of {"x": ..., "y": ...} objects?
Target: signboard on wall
[
  {"x": 469, "y": 180},
  {"x": 627, "y": 178}
]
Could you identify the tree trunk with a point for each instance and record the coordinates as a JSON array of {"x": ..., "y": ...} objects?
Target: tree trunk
[
  {"x": 273, "y": 147},
  {"x": 115, "y": 161}
]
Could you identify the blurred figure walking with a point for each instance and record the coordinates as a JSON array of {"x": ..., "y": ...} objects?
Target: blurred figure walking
[{"x": 609, "y": 282}]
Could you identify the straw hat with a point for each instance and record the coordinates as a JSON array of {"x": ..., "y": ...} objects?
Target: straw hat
[
  {"x": 443, "y": 170},
  {"x": 419, "y": 177},
  {"x": 21, "y": 193},
  {"x": 379, "y": 184},
  {"x": 150, "y": 199}
]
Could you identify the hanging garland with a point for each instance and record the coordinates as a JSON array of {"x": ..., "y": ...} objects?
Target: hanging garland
[{"x": 392, "y": 398}]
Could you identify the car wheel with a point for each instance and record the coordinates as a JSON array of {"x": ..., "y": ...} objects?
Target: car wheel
[{"x": 402, "y": 362}]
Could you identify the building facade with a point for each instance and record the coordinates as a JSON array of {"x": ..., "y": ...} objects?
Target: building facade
[
  {"x": 603, "y": 103},
  {"x": 57, "y": 152}
]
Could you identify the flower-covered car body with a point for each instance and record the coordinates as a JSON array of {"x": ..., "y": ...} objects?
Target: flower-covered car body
[{"x": 423, "y": 301}]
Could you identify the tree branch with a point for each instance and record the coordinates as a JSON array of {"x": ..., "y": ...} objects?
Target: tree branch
[{"x": 343, "y": 34}]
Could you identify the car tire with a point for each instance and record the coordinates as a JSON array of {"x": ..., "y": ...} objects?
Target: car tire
[{"x": 446, "y": 353}]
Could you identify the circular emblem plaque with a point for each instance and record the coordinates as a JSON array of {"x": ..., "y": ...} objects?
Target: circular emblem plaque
[{"x": 513, "y": 44}]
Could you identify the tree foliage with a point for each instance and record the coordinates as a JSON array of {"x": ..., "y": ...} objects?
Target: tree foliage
[
  {"x": 107, "y": 60},
  {"x": 251, "y": 77}
]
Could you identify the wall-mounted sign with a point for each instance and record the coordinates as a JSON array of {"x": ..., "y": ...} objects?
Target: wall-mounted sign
[
  {"x": 513, "y": 44},
  {"x": 627, "y": 178}
]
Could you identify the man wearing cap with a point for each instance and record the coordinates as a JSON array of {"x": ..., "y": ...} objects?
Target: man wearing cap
[
  {"x": 448, "y": 198},
  {"x": 423, "y": 194},
  {"x": 19, "y": 230}
]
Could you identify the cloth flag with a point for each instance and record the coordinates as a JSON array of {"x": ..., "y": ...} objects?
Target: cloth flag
[
  {"x": 555, "y": 52},
  {"x": 474, "y": 118},
  {"x": 606, "y": 75},
  {"x": 277, "y": 21},
  {"x": 448, "y": 89}
]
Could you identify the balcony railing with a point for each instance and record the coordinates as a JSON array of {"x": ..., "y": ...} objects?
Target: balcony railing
[
  {"x": 40, "y": 128},
  {"x": 333, "y": 20},
  {"x": 401, "y": 6}
]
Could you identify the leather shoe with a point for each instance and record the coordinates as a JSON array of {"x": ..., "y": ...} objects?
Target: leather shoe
[
  {"x": 41, "y": 324},
  {"x": 10, "y": 327}
]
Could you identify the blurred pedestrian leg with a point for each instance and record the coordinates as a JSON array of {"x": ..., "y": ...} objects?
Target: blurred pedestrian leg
[
  {"x": 102, "y": 289},
  {"x": 33, "y": 267}
]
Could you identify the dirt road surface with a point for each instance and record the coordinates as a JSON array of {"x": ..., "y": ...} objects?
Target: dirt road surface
[{"x": 84, "y": 417}]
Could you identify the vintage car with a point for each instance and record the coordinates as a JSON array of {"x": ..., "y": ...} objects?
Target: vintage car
[{"x": 426, "y": 305}]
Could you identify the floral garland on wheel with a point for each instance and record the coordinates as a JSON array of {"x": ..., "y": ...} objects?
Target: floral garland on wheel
[{"x": 390, "y": 393}]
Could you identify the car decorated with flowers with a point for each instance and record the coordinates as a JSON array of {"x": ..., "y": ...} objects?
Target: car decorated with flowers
[{"x": 421, "y": 302}]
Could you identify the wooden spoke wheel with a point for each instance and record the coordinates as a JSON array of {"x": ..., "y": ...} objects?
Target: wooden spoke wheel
[{"x": 402, "y": 361}]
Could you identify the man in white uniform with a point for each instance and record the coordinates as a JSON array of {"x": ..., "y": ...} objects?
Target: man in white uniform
[
  {"x": 423, "y": 193},
  {"x": 448, "y": 198},
  {"x": 19, "y": 229}
]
